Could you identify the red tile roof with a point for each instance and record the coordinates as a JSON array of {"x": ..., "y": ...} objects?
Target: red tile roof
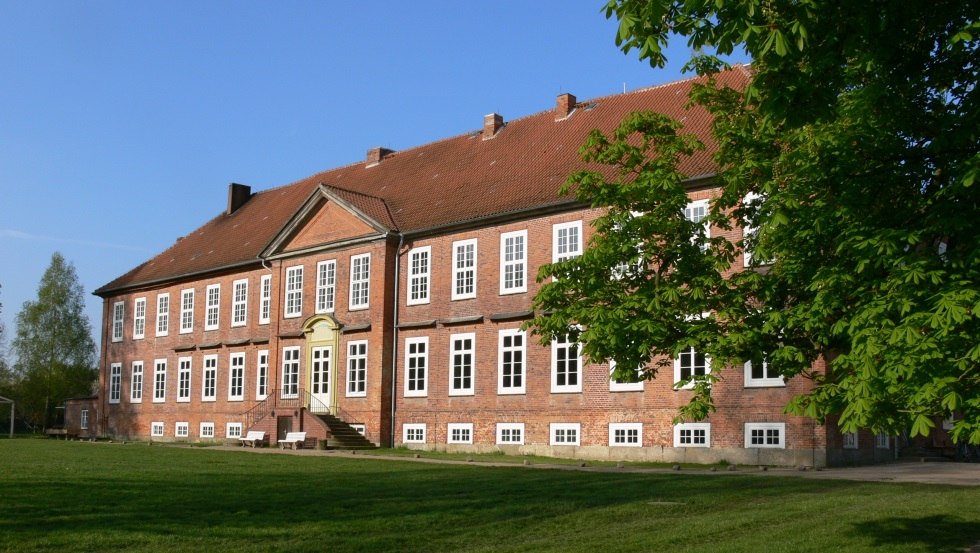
[{"x": 452, "y": 181}]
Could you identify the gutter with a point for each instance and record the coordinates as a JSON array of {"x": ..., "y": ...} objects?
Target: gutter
[{"x": 394, "y": 340}]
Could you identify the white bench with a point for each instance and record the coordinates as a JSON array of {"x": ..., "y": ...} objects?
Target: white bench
[
  {"x": 294, "y": 440},
  {"x": 253, "y": 438}
]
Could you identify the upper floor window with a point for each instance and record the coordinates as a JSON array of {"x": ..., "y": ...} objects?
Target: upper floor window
[
  {"x": 416, "y": 366},
  {"x": 697, "y": 212},
  {"x": 239, "y": 302},
  {"x": 761, "y": 373},
  {"x": 566, "y": 241},
  {"x": 360, "y": 281},
  {"x": 139, "y": 318},
  {"x": 357, "y": 368},
  {"x": 236, "y": 377},
  {"x": 689, "y": 364},
  {"x": 136, "y": 383},
  {"x": 513, "y": 262},
  {"x": 510, "y": 360},
  {"x": 461, "y": 354},
  {"x": 184, "y": 379},
  {"x": 160, "y": 381},
  {"x": 634, "y": 384},
  {"x": 290, "y": 372},
  {"x": 115, "y": 382},
  {"x": 210, "y": 380},
  {"x": 418, "y": 275},
  {"x": 118, "y": 312},
  {"x": 213, "y": 304},
  {"x": 186, "y": 311},
  {"x": 294, "y": 291},
  {"x": 262, "y": 375},
  {"x": 464, "y": 269},
  {"x": 326, "y": 286},
  {"x": 163, "y": 314},
  {"x": 566, "y": 366},
  {"x": 265, "y": 299}
]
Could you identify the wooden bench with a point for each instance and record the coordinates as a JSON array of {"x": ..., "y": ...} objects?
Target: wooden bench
[
  {"x": 254, "y": 438},
  {"x": 295, "y": 440}
]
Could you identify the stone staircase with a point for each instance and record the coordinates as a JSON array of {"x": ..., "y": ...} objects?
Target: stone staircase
[{"x": 342, "y": 436}]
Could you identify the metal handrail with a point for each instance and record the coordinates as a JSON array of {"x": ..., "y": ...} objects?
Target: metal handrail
[{"x": 303, "y": 399}]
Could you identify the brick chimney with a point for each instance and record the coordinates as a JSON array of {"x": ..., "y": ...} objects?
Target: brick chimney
[
  {"x": 491, "y": 124},
  {"x": 238, "y": 194},
  {"x": 566, "y": 104},
  {"x": 375, "y": 155}
]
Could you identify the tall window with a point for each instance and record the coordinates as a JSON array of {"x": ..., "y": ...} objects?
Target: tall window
[
  {"x": 771, "y": 434},
  {"x": 239, "y": 302},
  {"x": 464, "y": 269},
  {"x": 697, "y": 212},
  {"x": 294, "y": 291},
  {"x": 511, "y": 358},
  {"x": 265, "y": 299},
  {"x": 326, "y": 286},
  {"x": 692, "y": 434},
  {"x": 186, "y": 311},
  {"x": 163, "y": 314},
  {"x": 418, "y": 275},
  {"x": 690, "y": 363},
  {"x": 184, "y": 379},
  {"x": 139, "y": 318},
  {"x": 513, "y": 262},
  {"x": 566, "y": 241},
  {"x": 416, "y": 366},
  {"x": 115, "y": 382},
  {"x": 360, "y": 281},
  {"x": 209, "y": 384},
  {"x": 159, "y": 380},
  {"x": 213, "y": 305},
  {"x": 136, "y": 383},
  {"x": 761, "y": 373},
  {"x": 357, "y": 368},
  {"x": 262, "y": 375},
  {"x": 118, "y": 312},
  {"x": 566, "y": 366},
  {"x": 236, "y": 377},
  {"x": 461, "y": 356},
  {"x": 290, "y": 372},
  {"x": 83, "y": 421}
]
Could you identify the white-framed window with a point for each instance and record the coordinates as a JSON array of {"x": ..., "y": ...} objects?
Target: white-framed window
[
  {"x": 209, "y": 383},
  {"x": 212, "y": 306},
  {"x": 206, "y": 431},
  {"x": 357, "y": 368},
  {"x": 290, "y": 372},
  {"x": 186, "y": 311},
  {"x": 566, "y": 241},
  {"x": 326, "y": 286},
  {"x": 359, "y": 428},
  {"x": 360, "y": 281},
  {"x": 760, "y": 373},
  {"x": 418, "y": 275},
  {"x": 233, "y": 430},
  {"x": 156, "y": 429},
  {"x": 262, "y": 374},
  {"x": 765, "y": 434},
  {"x": 136, "y": 383},
  {"x": 749, "y": 234},
  {"x": 617, "y": 385},
  {"x": 566, "y": 366},
  {"x": 265, "y": 299},
  {"x": 692, "y": 434},
  {"x": 462, "y": 367},
  {"x": 882, "y": 440},
  {"x": 183, "y": 379},
  {"x": 688, "y": 364},
  {"x": 510, "y": 433},
  {"x": 236, "y": 377},
  {"x": 565, "y": 433},
  {"x": 850, "y": 440},
  {"x": 239, "y": 302},
  {"x": 159, "y": 380},
  {"x": 182, "y": 429},
  {"x": 163, "y": 314},
  {"x": 413, "y": 433},
  {"x": 294, "y": 292},
  {"x": 625, "y": 434},
  {"x": 416, "y": 366},
  {"x": 83, "y": 420},
  {"x": 459, "y": 433},
  {"x": 513, "y": 262},
  {"x": 696, "y": 212},
  {"x": 118, "y": 314},
  {"x": 511, "y": 361},
  {"x": 139, "y": 318},
  {"x": 115, "y": 382},
  {"x": 464, "y": 269}
]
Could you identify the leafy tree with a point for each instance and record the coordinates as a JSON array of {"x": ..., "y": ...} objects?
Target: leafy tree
[
  {"x": 856, "y": 146},
  {"x": 53, "y": 345}
]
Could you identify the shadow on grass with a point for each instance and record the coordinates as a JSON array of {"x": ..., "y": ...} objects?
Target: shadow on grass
[{"x": 938, "y": 533}]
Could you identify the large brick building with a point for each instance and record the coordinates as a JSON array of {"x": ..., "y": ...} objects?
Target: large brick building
[{"x": 388, "y": 296}]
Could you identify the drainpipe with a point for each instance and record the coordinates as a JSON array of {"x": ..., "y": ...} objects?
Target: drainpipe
[{"x": 394, "y": 338}]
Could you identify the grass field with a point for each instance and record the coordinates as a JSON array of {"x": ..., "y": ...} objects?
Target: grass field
[{"x": 72, "y": 496}]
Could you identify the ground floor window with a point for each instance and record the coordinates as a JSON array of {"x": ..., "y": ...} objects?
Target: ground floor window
[
  {"x": 882, "y": 441},
  {"x": 850, "y": 440},
  {"x": 693, "y": 434},
  {"x": 83, "y": 424},
  {"x": 563, "y": 433},
  {"x": 233, "y": 430},
  {"x": 359, "y": 428},
  {"x": 765, "y": 434},
  {"x": 207, "y": 430},
  {"x": 413, "y": 433},
  {"x": 156, "y": 429},
  {"x": 510, "y": 433},
  {"x": 626, "y": 434},
  {"x": 460, "y": 433},
  {"x": 181, "y": 430}
]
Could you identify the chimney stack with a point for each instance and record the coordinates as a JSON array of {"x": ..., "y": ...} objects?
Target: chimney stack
[
  {"x": 566, "y": 104},
  {"x": 238, "y": 194},
  {"x": 491, "y": 124},
  {"x": 375, "y": 155}
]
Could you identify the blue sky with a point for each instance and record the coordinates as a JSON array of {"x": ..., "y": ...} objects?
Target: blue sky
[{"x": 122, "y": 123}]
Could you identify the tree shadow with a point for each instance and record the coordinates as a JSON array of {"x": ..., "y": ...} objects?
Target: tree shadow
[{"x": 939, "y": 533}]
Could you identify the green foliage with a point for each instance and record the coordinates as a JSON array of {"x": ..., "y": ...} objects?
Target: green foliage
[
  {"x": 859, "y": 135},
  {"x": 53, "y": 345}
]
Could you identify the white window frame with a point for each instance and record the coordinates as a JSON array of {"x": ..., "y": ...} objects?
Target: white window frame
[
  {"x": 187, "y": 311},
  {"x": 206, "y": 431},
  {"x": 690, "y": 351},
  {"x": 359, "y": 428},
  {"x": 233, "y": 430},
  {"x": 156, "y": 429},
  {"x": 236, "y": 376},
  {"x": 502, "y": 351},
  {"x": 159, "y": 380},
  {"x": 210, "y": 368},
  {"x": 765, "y": 381},
  {"x": 462, "y": 389},
  {"x": 765, "y": 427},
  {"x": 139, "y": 318},
  {"x": 184, "y": 374},
  {"x": 239, "y": 302},
  {"x": 558, "y": 242},
  {"x": 290, "y": 372},
  {"x": 692, "y": 427},
  {"x": 83, "y": 420},
  {"x": 118, "y": 316},
  {"x": 617, "y": 386},
  {"x": 688, "y": 214},
  {"x": 293, "y": 292},
  {"x": 507, "y": 429},
  {"x": 849, "y": 440},
  {"x": 326, "y": 286},
  {"x": 419, "y": 434},
  {"x": 360, "y": 282},
  {"x": 558, "y": 430},
  {"x": 419, "y": 273},
  {"x": 459, "y": 433},
  {"x": 882, "y": 440},
  {"x": 513, "y": 265},
  {"x": 262, "y": 374},
  {"x": 136, "y": 382},
  {"x": 265, "y": 299},
  {"x": 625, "y": 428},
  {"x": 464, "y": 270},
  {"x": 163, "y": 314},
  {"x": 115, "y": 382},
  {"x": 356, "y": 374},
  {"x": 416, "y": 360},
  {"x": 562, "y": 343},
  {"x": 212, "y": 307},
  {"x": 182, "y": 429}
]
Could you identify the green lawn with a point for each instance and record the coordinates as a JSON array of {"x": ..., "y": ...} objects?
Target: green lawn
[{"x": 72, "y": 496}]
